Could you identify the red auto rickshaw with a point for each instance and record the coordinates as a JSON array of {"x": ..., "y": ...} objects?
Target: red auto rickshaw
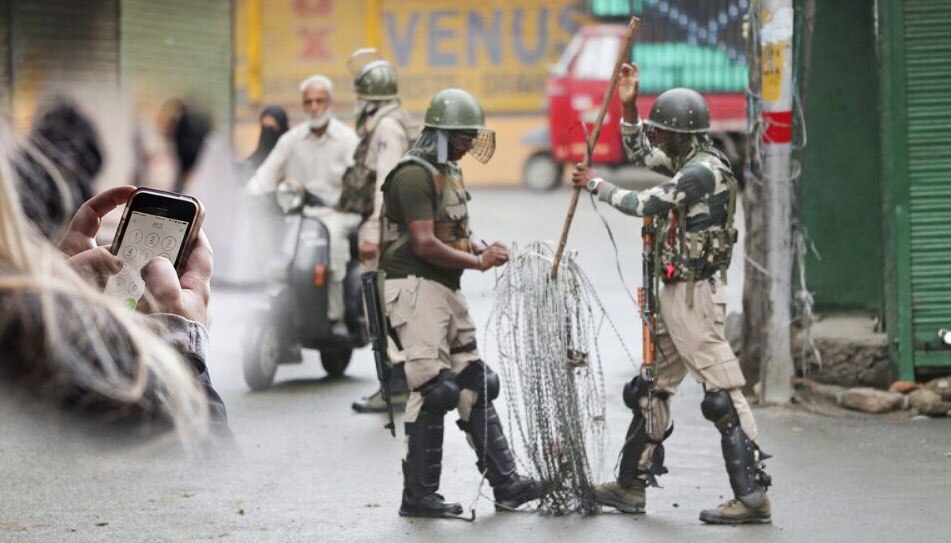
[{"x": 576, "y": 86}]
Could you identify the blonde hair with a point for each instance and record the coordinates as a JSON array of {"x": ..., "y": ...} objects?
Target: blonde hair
[{"x": 81, "y": 346}]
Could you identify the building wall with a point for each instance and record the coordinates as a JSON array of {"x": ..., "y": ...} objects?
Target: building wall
[
  {"x": 117, "y": 59},
  {"x": 841, "y": 187}
]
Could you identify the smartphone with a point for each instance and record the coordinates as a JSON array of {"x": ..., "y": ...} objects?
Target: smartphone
[{"x": 154, "y": 223}]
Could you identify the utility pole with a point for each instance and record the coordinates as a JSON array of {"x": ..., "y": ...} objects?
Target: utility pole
[{"x": 775, "y": 19}]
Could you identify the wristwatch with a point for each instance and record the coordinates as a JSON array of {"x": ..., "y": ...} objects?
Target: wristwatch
[{"x": 592, "y": 185}]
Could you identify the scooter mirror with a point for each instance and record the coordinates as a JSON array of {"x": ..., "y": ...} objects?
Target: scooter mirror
[{"x": 290, "y": 196}]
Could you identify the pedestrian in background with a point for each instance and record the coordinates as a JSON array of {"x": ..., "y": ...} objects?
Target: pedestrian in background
[
  {"x": 315, "y": 154},
  {"x": 384, "y": 133},
  {"x": 274, "y": 124}
]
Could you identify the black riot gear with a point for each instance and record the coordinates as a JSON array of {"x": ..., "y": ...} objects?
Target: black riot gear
[{"x": 741, "y": 455}]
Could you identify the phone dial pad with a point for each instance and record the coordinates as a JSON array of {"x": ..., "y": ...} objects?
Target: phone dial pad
[{"x": 147, "y": 236}]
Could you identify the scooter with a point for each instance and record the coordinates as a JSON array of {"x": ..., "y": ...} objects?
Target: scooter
[{"x": 296, "y": 313}]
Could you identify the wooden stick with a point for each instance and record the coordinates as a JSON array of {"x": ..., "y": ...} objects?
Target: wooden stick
[{"x": 593, "y": 138}]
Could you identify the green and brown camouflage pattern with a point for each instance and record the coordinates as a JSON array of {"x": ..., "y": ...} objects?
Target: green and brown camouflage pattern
[{"x": 694, "y": 209}]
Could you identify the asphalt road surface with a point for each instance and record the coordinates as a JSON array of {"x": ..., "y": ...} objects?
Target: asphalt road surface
[{"x": 311, "y": 470}]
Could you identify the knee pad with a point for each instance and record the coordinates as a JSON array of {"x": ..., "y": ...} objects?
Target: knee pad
[
  {"x": 717, "y": 407},
  {"x": 480, "y": 378},
  {"x": 440, "y": 394},
  {"x": 633, "y": 391}
]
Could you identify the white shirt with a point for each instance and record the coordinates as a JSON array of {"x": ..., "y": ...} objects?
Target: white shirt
[{"x": 316, "y": 162}]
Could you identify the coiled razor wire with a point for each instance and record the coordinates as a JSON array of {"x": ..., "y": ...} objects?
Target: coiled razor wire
[{"x": 546, "y": 331}]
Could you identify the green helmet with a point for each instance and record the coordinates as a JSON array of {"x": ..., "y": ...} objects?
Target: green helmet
[
  {"x": 680, "y": 110},
  {"x": 374, "y": 79},
  {"x": 454, "y": 109}
]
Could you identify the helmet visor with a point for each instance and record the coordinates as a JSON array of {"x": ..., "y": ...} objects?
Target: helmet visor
[
  {"x": 483, "y": 145},
  {"x": 360, "y": 59}
]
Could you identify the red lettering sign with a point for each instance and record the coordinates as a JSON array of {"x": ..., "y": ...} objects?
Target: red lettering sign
[
  {"x": 314, "y": 44},
  {"x": 313, "y": 7}
]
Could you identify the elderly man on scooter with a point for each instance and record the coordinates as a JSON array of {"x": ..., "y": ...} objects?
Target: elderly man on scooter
[{"x": 315, "y": 154}]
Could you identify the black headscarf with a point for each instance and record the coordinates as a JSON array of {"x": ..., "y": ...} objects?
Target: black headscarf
[
  {"x": 190, "y": 132},
  {"x": 269, "y": 136}
]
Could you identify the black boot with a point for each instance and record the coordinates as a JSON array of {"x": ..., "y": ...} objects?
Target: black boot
[
  {"x": 422, "y": 468},
  {"x": 496, "y": 460}
]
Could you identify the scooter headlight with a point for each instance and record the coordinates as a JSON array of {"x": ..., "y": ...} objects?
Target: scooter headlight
[{"x": 289, "y": 196}]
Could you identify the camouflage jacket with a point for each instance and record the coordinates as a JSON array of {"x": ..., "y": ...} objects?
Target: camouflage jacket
[{"x": 693, "y": 210}]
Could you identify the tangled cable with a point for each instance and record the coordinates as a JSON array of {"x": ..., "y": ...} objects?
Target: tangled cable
[{"x": 546, "y": 333}]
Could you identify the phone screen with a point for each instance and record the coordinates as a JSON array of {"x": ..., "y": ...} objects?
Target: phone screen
[{"x": 146, "y": 237}]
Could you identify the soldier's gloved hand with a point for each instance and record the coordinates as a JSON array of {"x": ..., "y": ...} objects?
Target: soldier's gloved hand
[
  {"x": 496, "y": 255},
  {"x": 582, "y": 175}
]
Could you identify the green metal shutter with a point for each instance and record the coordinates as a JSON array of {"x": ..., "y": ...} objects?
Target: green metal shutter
[
  {"x": 5, "y": 78},
  {"x": 61, "y": 47},
  {"x": 179, "y": 48},
  {"x": 920, "y": 84}
]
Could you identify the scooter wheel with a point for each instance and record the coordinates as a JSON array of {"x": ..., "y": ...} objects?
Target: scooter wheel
[{"x": 262, "y": 355}]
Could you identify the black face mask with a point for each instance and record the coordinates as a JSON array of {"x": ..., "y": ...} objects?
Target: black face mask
[{"x": 269, "y": 137}]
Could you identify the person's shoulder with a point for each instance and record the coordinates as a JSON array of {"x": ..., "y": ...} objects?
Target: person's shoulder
[
  {"x": 297, "y": 132},
  {"x": 389, "y": 124},
  {"x": 411, "y": 171},
  {"x": 340, "y": 130}
]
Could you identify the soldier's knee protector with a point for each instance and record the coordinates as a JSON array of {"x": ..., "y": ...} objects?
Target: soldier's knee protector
[
  {"x": 740, "y": 454},
  {"x": 440, "y": 394},
  {"x": 717, "y": 407},
  {"x": 634, "y": 390},
  {"x": 479, "y": 378}
]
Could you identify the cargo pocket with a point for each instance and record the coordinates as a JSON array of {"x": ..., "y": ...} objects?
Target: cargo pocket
[
  {"x": 394, "y": 311},
  {"x": 719, "y": 303}
]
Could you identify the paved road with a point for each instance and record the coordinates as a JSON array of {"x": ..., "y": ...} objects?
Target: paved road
[{"x": 313, "y": 471}]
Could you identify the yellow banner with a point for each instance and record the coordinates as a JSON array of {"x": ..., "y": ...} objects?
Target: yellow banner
[{"x": 498, "y": 50}]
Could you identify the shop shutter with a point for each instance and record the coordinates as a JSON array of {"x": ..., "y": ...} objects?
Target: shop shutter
[
  {"x": 59, "y": 47},
  {"x": 926, "y": 43},
  {"x": 179, "y": 48}
]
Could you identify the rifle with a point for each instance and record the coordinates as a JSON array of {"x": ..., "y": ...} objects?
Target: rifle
[
  {"x": 376, "y": 322},
  {"x": 647, "y": 301}
]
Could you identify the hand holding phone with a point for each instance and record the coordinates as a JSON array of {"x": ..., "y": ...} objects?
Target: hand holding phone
[
  {"x": 155, "y": 224},
  {"x": 187, "y": 295},
  {"x": 79, "y": 240}
]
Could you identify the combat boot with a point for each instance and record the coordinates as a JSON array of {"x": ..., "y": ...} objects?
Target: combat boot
[
  {"x": 399, "y": 394},
  {"x": 519, "y": 490},
  {"x": 496, "y": 461},
  {"x": 631, "y": 498},
  {"x": 428, "y": 506},
  {"x": 737, "y": 512},
  {"x": 423, "y": 464},
  {"x": 374, "y": 403}
]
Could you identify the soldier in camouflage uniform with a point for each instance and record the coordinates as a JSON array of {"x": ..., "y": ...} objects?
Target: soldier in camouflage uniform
[
  {"x": 427, "y": 244},
  {"x": 382, "y": 126},
  {"x": 694, "y": 240}
]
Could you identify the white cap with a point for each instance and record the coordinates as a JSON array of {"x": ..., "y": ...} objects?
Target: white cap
[{"x": 317, "y": 79}]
